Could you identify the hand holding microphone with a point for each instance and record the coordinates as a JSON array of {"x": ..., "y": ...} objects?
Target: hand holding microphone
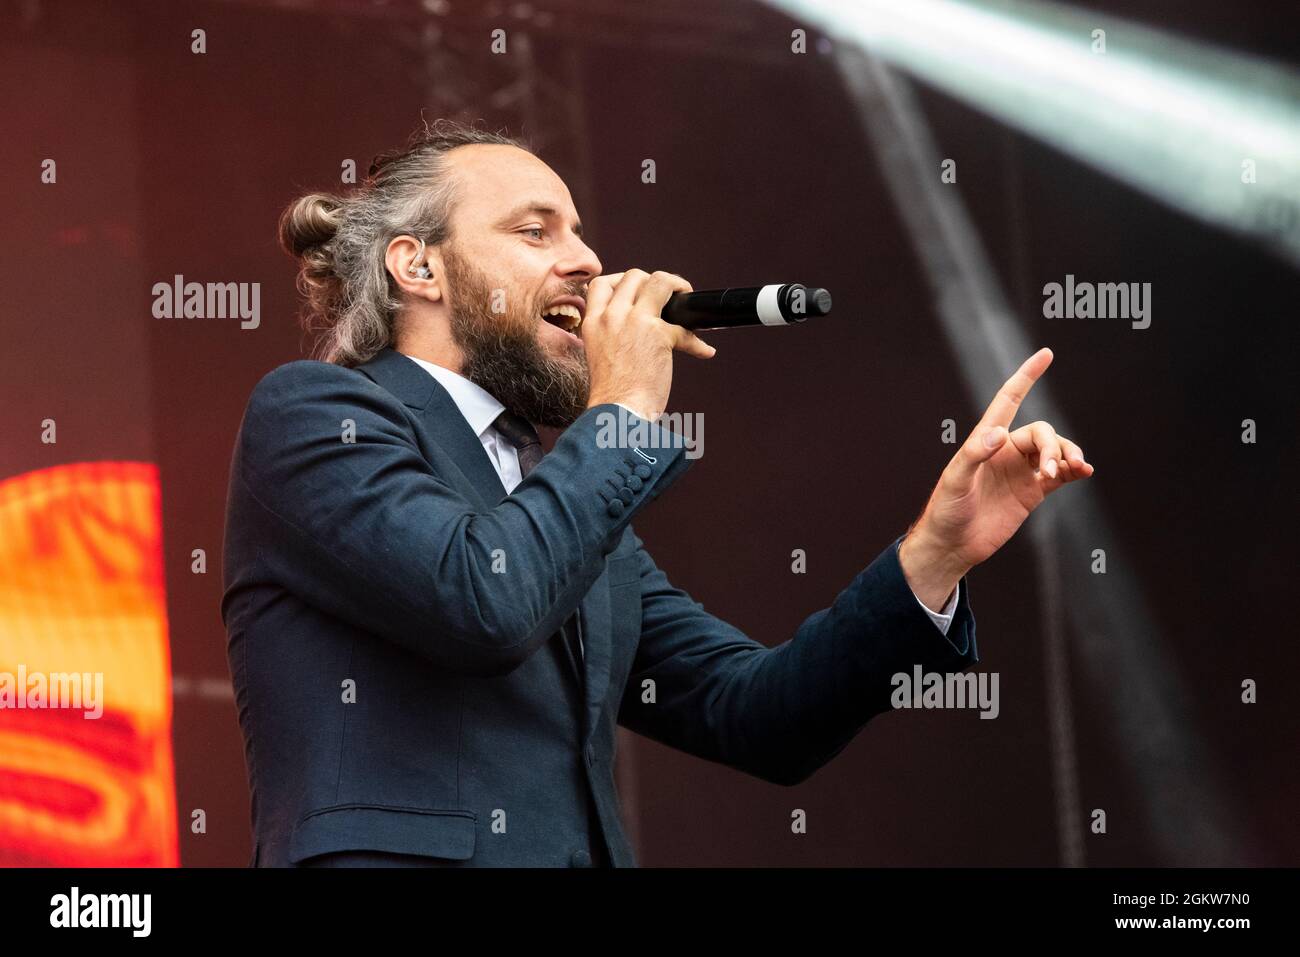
[
  {"x": 635, "y": 320},
  {"x": 629, "y": 347}
]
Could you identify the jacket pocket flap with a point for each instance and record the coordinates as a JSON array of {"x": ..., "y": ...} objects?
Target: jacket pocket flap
[{"x": 429, "y": 832}]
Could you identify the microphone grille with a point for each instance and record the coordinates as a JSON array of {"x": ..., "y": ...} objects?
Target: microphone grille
[{"x": 819, "y": 301}]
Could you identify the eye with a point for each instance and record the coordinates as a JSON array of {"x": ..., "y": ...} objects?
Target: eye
[{"x": 534, "y": 229}]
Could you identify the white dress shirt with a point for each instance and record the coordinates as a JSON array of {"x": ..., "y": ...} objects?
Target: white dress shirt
[{"x": 480, "y": 411}]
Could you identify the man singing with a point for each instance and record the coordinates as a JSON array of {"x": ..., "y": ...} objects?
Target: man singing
[{"x": 434, "y": 628}]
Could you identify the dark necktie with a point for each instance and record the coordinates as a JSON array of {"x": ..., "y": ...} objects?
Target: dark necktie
[{"x": 520, "y": 433}]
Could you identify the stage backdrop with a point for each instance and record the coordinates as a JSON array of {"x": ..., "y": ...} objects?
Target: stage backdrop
[{"x": 118, "y": 425}]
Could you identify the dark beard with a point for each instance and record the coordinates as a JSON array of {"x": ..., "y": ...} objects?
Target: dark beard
[{"x": 503, "y": 357}]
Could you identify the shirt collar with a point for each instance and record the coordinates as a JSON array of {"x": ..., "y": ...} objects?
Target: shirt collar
[{"x": 475, "y": 403}]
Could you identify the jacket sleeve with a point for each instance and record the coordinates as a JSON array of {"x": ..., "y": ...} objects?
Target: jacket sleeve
[
  {"x": 781, "y": 713},
  {"x": 356, "y": 522}
]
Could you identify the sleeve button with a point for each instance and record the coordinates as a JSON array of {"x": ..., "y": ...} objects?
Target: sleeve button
[
  {"x": 643, "y": 471},
  {"x": 615, "y": 509}
]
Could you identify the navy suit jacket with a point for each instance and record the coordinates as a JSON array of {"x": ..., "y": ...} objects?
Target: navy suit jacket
[{"x": 393, "y": 634}]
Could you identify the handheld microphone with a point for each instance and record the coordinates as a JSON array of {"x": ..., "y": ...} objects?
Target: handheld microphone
[{"x": 772, "y": 305}]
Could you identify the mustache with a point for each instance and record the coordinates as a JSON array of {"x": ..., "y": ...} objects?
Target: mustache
[{"x": 576, "y": 289}]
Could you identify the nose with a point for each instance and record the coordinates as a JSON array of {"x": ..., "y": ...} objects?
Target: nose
[{"x": 580, "y": 262}]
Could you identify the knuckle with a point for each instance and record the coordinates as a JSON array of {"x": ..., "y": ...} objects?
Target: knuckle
[{"x": 668, "y": 280}]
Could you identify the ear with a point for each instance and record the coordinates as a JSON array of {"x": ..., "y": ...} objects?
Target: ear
[{"x": 403, "y": 259}]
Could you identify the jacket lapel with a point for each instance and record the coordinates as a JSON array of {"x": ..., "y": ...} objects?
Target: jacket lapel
[
  {"x": 443, "y": 422},
  {"x": 476, "y": 478}
]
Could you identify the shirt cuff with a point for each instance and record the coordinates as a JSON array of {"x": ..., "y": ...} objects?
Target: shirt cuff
[{"x": 942, "y": 619}]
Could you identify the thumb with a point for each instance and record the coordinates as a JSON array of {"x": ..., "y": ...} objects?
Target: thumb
[
  {"x": 980, "y": 447},
  {"x": 991, "y": 441}
]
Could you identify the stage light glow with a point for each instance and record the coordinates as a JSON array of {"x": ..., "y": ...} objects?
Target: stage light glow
[
  {"x": 82, "y": 594},
  {"x": 1213, "y": 133}
]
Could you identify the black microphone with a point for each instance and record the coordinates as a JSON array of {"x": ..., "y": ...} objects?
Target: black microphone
[{"x": 773, "y": 305}]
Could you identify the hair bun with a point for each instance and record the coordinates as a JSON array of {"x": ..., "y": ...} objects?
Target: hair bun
[{"x": 310, "y": 223}]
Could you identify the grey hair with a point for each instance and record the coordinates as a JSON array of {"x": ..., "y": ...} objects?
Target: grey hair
[{"x": 351, "y": 300}]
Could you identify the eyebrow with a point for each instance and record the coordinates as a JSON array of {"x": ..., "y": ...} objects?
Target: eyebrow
[{"x": 534, "y": 206}]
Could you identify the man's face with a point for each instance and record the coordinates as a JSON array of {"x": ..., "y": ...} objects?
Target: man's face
[{"x": 508, "y": 260}]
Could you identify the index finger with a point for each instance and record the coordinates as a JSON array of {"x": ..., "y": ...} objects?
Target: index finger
[
  {"x": 1006, "y": 403},
  {"x": 599, "y": 292},
  {"x": 688, "y": 342},
  {"x": 654, "y": 295}
]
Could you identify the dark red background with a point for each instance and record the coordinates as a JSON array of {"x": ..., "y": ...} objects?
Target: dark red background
[{"x": 824, "y": 438}]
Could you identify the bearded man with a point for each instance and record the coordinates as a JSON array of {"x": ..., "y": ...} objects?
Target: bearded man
[{"x": 434, "y": 628}]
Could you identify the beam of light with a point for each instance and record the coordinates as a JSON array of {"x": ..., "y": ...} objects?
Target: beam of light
[
  {"x": 1175, "y": 119},
  {"x": 1133, "y": 676}
]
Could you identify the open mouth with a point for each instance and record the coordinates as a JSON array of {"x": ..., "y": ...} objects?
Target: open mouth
[{"x": 567, "y": 317}]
